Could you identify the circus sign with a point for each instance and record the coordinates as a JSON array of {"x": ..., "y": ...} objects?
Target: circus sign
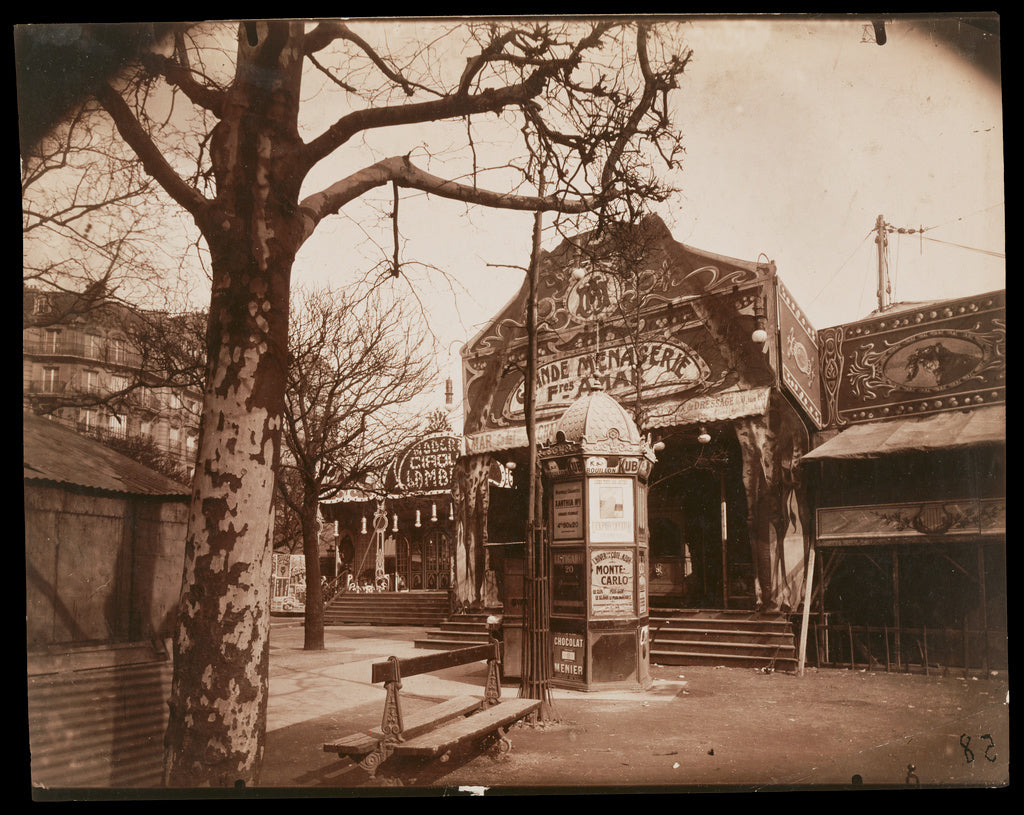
[
  {"x": 799, "y": 355},
  {"x": 663, "y": 367},
  {"x": 935, "y": 357},
  {"x": 427, "y": 465}
]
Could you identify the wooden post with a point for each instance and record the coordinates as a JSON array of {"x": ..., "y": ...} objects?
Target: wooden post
[
  {"x": 896, "y": 604},
  {"x": 807, "y": 611},
  {"x": 924, "y": 637},
  {"x": 966, "y": 646},
  {"x": 984, "y": 605}
]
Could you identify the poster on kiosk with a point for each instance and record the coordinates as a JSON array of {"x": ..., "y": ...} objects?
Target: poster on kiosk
[{"x": 596, "y": 493}]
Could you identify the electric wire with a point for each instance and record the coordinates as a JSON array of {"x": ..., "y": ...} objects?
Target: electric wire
[
  {"x": 969, "y": 248},
  {"x": 831, "y": 280}
]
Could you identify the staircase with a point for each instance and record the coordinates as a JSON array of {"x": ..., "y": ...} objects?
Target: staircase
[
  {"x": 424, "y": 608},
  {"x": 721, "y": 637},
  {"x": 458, "y": 631}
]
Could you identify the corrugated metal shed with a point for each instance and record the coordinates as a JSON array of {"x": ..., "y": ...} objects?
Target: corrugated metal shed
[
  {"x": 97, "y": 716},
  {"x": 54, "y": 453}
]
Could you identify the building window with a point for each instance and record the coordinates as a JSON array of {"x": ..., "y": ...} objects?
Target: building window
[
  {"x": 51, "y": 378},
  {"x": 116, "y": 425},
  {"x": 41, "y": 304},
  {"x": 146, "y": 429},
  {"x": 87, "y": 418},
  {"x": 118, "y": 353},
  {"x": 53, "y": 340},
  {"x": 93, "y": 346},
  {"x": 174, "y": 436},
  {"x": 118, "y": 383},
  {"x": 92, "y": 381}
]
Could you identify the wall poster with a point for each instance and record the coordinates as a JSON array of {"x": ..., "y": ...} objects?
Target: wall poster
[
  {"x": 611, "y": 510},
  {"x": 641, "y": 582},
  {"x": 611, "y": 583},
  {"x": 567, "y": 595},
  {"x": 567, "y": 510},
  {"x": 568, "y": 651}
]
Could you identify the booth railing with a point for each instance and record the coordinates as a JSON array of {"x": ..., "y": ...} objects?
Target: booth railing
[{"x": 908, "y": 650}]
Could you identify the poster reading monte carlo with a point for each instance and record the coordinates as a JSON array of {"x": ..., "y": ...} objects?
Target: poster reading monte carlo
[
  {"x": 611, "y": 583},
  {"x": 611, "y": 510}
]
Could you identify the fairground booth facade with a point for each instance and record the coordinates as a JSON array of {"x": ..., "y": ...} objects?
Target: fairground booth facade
[
  {"x": 910, "y": 489},
  {"x": 400, "y": 537},
  {"x": 718, "y": 368}
]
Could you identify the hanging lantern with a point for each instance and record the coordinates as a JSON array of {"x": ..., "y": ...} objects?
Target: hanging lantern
[
  {"x": 704, "y": 436},
  {"x": 394, "y": 522},
  {"x": 433, "y": 513},
  {"x": 364, "y": 524},
  {"x": 417, "y": 519},
  {"x": 451, "y": 511},
  {"x": 760, "y": 334}
]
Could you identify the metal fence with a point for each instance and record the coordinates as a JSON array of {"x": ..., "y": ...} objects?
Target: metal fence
[{"x": 910, "y": 650}]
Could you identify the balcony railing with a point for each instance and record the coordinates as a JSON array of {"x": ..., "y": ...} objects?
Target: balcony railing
[
  {"x": 45, "y": 386},
  {"x": 77, "y": 347}
]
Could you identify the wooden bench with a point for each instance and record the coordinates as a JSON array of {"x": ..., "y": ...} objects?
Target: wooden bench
[{"x": 436, "y": 730}]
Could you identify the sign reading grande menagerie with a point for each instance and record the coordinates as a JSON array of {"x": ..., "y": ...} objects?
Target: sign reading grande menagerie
[{"x": 427, "y": 465}]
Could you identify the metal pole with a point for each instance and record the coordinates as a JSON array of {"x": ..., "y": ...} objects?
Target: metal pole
[
  {"x": 883, "y": 271},
  {"x": 536, "y": 667}
]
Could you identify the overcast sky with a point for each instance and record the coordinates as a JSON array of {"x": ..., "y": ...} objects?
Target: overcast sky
[{"x": 799, "y": 134}]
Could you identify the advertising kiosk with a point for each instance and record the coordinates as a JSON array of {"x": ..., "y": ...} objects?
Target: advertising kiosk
[{"x": 595, "y": 471}]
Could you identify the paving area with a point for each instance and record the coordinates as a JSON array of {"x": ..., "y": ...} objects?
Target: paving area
[{"x": 695, "y": 729}]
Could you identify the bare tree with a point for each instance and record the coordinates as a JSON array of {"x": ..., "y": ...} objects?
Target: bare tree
[
  {"x": 356, "y": 362},
  {"x": 593, "y": 95}
]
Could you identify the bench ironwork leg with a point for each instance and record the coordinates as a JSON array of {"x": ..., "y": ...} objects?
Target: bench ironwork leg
[
  {"x": 498, "y": 743},
  {"x": 391, "y": 724},
  {"x": 372, "y": 761}
]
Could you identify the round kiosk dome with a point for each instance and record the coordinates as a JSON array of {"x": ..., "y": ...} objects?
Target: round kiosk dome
[{"x": 597, "y": 424}]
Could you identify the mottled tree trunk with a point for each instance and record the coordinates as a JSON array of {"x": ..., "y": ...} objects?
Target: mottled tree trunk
[{"x": 218, "y": 701}]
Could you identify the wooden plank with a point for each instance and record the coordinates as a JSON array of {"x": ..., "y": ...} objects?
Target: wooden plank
[
  {"x": 355, "y": 744},
  {"x": 415, "y": 724},
  {"x": 384, "y": 671},
  {"x": 439, "y": 741}
]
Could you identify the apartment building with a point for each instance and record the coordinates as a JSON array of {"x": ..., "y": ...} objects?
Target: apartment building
[{"x": 90, "y": 369}]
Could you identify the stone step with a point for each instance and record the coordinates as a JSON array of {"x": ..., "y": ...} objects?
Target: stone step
[
  {"x": 426, "y": 608},
  {"x": 681, "y": 658},
  {"x": 724, "y": 647},
  {"x": 721, "y": 635}
]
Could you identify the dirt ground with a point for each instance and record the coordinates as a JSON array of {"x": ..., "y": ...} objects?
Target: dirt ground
[{"x": 698, "y": 729}]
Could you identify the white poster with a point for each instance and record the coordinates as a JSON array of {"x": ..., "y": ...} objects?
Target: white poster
[{"x": 611, "y": 510}]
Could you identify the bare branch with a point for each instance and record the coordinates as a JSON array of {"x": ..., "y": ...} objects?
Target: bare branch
[
  {"x": 149, "y": 154},
  {"x": 399, "y": 170}
]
